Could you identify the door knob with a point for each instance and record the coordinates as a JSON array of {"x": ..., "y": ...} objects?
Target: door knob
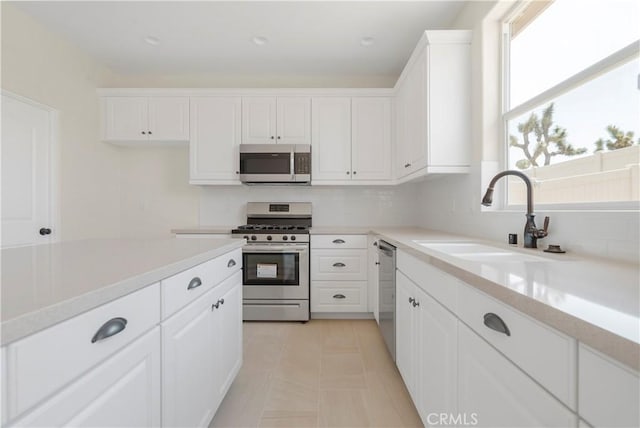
[{"x": 45, "y": 231}]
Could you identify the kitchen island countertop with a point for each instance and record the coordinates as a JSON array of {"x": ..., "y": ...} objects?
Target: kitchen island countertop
[{"x": 43, "y": 285}]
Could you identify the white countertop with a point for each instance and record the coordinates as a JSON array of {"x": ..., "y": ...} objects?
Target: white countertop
[
  {"x": 46, "y": 284},
  {"x": 594, "y": 300},
  {"x": 203, "y": 230}
]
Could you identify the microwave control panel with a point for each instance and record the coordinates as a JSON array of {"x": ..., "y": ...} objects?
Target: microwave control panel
[{"x": 302, "y": 162}]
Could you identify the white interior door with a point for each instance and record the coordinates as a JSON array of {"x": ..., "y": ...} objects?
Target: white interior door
[{"x": 26, "y": 173}]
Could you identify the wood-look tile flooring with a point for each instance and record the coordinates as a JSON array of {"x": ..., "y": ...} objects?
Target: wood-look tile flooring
[{"x": 325, "y": 373}]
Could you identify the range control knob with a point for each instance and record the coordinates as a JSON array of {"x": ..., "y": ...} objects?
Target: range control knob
[
  {"x": 269, "y": 238},
  {"x": 293, "y": 238},
  {"x": 246, "y": 237},
  {"x": 285, "y": 237},
  {"x": 253, "y": 237}
]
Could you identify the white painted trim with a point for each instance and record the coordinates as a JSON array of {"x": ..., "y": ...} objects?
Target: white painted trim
[
  {"x": 614, "y": 60},
  {"x": 246, "y": 92},
  {"x": 54, "y": 161}
]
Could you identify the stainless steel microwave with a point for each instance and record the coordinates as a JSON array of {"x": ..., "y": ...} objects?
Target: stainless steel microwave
[{"x": 275, "y": 163}]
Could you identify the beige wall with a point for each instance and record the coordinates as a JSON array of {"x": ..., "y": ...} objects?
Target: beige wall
[
  {"x": 105, "y": 190},
  {"x": 43, "y": 67}
]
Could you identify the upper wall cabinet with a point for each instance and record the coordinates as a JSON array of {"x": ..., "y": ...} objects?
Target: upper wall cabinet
[
  {"x": 351, "y": 140},
  {"x": 285, "y": 120},
  {"x": 433, "y": 107},
  {"x": 215, "y": 137},
  {"x": 138, "y": 119}
]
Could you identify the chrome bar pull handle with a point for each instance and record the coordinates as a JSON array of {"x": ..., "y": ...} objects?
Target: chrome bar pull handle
[
  {"x": 339, "y": 264},
  {"x": 338, "y": 241}
]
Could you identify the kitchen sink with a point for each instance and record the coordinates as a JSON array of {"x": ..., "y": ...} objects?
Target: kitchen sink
[{"x": 480, "y": 252}]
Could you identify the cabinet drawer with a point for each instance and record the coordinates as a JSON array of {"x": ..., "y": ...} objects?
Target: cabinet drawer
[
  {"x": 339, "y": 241},
  {"x": 342, "y": 265},
  {"x": 545, "y": 354},
  {"x": 46, "y": 361},
  {"x": 609, "y": 392},
  {"x": 440, "y": 285},
  {"x": 122, "y": 391},
  {"x": 184, "y": 287},
  {"x": 333, "y": 296}
]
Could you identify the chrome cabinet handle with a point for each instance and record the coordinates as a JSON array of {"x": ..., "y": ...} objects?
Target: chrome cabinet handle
[
  {"x": 194, "y": 283},
  {"x": 222, "y": 301},
  {"x": 407, "y": 165},
  {"x": 338, "y": 241},
  {"x": 339, "y": 264},
  {"x": 375, "y": 244},
  {"x": 338, "y": 296},
  {"x": 231, "y": 263},
  {"x": 415, "y": 303},
  {"x": 110, "y": 328},
  {"x": 216, "y": 305},
  {"x": 411, "y": 300},
  {"x": 494, "y": 322}
]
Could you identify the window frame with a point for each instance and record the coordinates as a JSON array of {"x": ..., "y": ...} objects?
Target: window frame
[{"x": 611, "y": 62}]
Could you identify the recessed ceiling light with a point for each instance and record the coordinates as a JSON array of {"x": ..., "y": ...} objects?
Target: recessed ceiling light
[
  {"x": 259, "y": 40},
  {"x": 366, "y": 41},
  {"x": 152, "y": 40}
]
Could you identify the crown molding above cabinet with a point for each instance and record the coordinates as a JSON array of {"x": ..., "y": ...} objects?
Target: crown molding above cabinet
[{"x": 418, "y": 129}]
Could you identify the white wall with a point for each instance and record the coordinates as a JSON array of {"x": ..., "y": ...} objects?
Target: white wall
[
  {"x": 39, "y": 65},
  {"x": 453, "y": 203},
  {"x": 332, "y": 206}
]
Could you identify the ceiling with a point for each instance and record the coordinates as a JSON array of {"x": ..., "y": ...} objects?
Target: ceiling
[{"x": 304, "y": 37}]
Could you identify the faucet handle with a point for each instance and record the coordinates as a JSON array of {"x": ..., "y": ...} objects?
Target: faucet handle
[{"x": 541, "y": 233}]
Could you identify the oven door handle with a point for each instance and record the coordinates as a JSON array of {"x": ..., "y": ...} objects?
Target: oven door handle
[{"x": 274, "y": 249}]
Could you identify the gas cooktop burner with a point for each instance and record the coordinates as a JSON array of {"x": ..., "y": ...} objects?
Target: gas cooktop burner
[{"x": 265, "y": 228}]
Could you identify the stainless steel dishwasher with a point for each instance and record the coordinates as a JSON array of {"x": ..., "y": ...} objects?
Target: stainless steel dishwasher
[{"x": 387, "y": 294}]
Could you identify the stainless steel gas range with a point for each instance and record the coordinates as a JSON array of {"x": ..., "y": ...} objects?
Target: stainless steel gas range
[{"x": 276, "y": 261}]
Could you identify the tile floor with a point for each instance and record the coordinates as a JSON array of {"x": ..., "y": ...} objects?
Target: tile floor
[{"x": 325, "y": 373}]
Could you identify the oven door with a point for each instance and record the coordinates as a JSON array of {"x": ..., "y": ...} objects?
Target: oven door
[{"x": 275, "y": 271}]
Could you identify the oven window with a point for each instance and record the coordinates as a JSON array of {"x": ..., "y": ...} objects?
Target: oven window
[
  {"x": 270, "y": 269},
  {"x": 265, "y": 163}
]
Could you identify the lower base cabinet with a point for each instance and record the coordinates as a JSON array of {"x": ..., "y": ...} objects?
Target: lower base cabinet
[
  {"x": 493, "y": 392},
  {"x": 123, "y": 391},
  {"x": 202, "y": 353},
  {"x": 426, "y": 352}
]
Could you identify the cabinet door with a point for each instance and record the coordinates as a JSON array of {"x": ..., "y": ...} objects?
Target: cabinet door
[
  {"x": 294, "y": 120},
  {"x": 258, "y": 120},
  {"x": 371, "y": 138},
  {"x": 215, "y": 137},
  {"x": 405, "y": 331},
  {"x": 416, "y": 120},
  {"x": 402, "y": 152},
  {"x": 125, "y": 118},
  {"x": 124, "y": 391},
  {"x": 496, "y": 393},
  {"x": 331, "y": 138},
  {"x": 437, "y": 358},
  {"x": 188, "y": 363},
  {"x": 169, "y": 118},
  {"x": 227, "y": 331}
]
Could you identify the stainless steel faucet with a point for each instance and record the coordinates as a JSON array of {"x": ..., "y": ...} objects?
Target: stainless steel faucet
[{"x": 531, "y": 232}]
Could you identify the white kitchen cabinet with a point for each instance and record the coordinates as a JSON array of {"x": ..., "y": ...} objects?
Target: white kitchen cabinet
[
  {"x": 202, "y": 353},
  {"x": 371, "y": 138},
  {"x": 123, "y": 391},
  {"x": 75, "y": 346},
  {"x": 609, "y": 392},
  {"x": 188, "y": 365},
  {"x": 215, "y": 137},
  {"x": 227, "y": 335},
  {"x": 285, "y": 120},
  {"x": 139, "y": 119},
  {"x": 351, "y": 140},
  {"x": 426, "y": 349},
  {"x": 331, "y": 138},
  {"x": 433, "y": 106},
  {"x": 339, "y": 274},
  {"x": 496, "y": 393}
]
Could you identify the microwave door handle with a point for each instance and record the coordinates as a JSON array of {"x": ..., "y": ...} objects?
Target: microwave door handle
[{"x": 293, "y": 164}]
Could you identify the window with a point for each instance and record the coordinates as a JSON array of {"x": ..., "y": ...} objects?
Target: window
[{"x": 572, "y": 100}]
